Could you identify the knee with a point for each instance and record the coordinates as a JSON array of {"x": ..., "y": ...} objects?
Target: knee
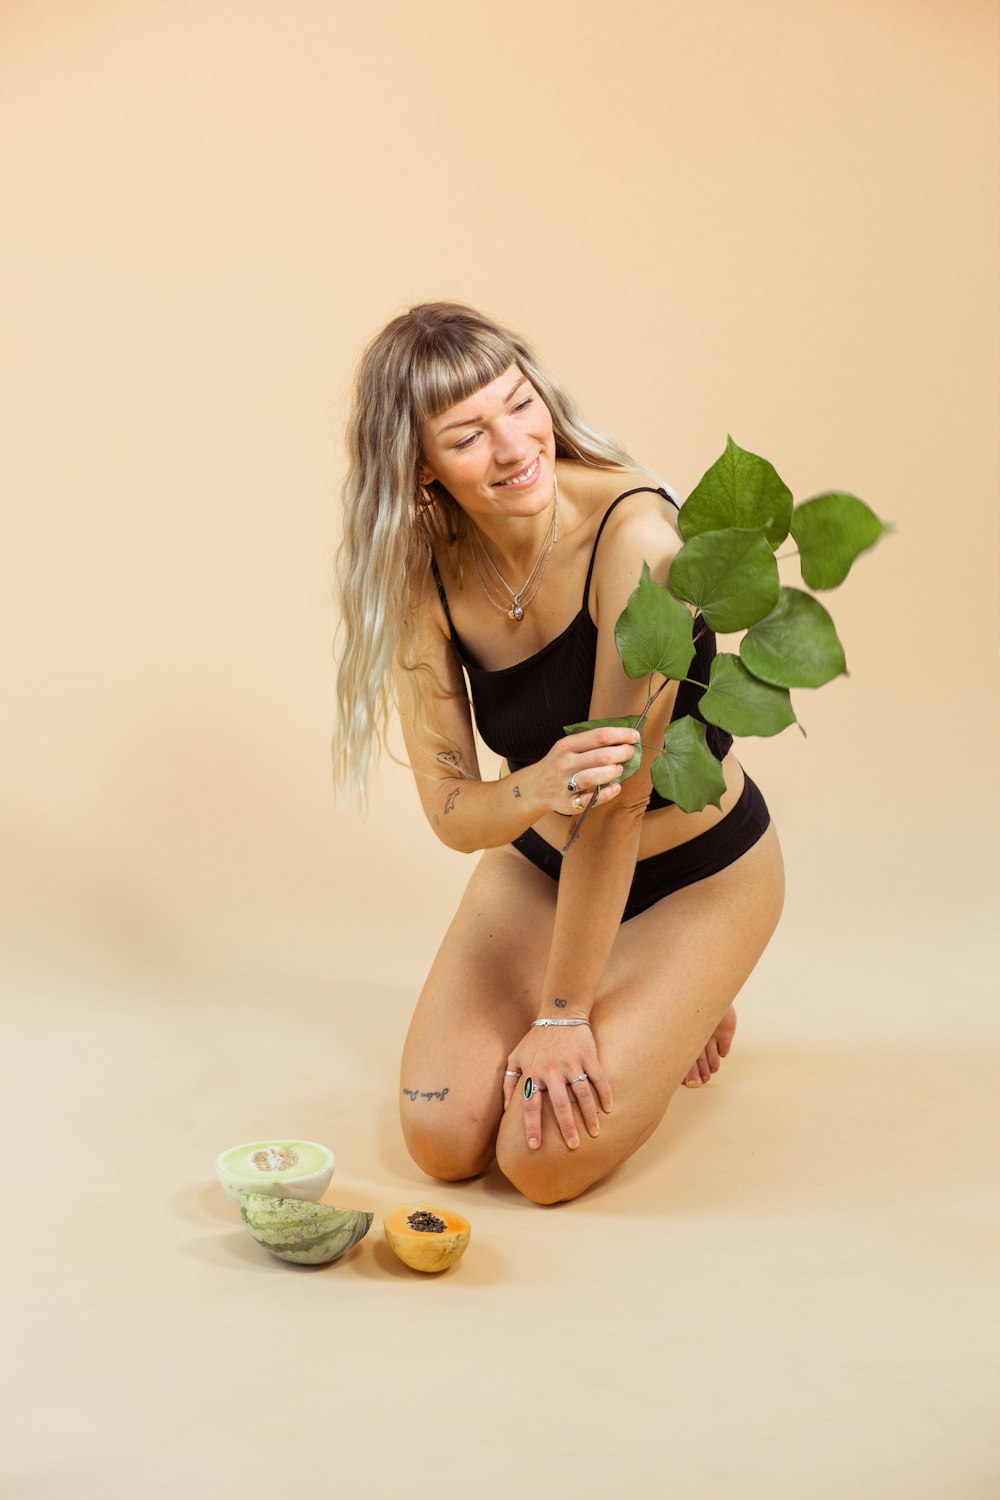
[
  {"x": 449, "y": 1153},
  {"x": 545, "y": 1176}
]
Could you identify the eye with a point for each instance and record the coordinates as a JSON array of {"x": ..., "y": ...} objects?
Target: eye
[
  {"x": 466, "y": 442},
  {"x": 522, "y": 404}
]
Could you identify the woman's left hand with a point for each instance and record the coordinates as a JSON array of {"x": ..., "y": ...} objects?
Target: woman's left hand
[{"x": 561, "y": 1061}]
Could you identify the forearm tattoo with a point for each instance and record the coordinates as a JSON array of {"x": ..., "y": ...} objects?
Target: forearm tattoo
[
  {"x": 450, "y": 757},
  {"x": 517, "y": 791},
  {"x": 560, "y": 1004},
  {"x": 451, "y": 799},
  {"x": 414, "y": 1094}
]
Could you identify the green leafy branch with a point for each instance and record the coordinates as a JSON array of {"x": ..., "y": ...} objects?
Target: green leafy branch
[{"x": 733, "y": 523}]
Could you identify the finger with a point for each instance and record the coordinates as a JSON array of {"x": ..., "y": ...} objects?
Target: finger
[
  {"x": 703, "y": 1068},
  {"x": 612, "y": 758},
  {"x": 564, "y": 1115},
  {"x": 601, "y": 1084},
  {"x": 599, "y": 776},
  {"x": 693, "y": 1079},
  {"x": 610, "y": 734},
  {"x": 583, "y": 1095},
  {"x": 533, "y": 1117},
  {"x": 712, "y": 1053},
  {"x": 511, "y": 1080}
]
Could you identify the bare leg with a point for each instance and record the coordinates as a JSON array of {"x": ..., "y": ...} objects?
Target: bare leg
[
  {"x": 672, "y": 977},
  {"x": 670, "y": 982},
  {"x": 478, "y": 1001}
]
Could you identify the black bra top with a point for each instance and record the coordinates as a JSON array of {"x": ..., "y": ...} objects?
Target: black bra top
[{"x": 521, "y": 710}]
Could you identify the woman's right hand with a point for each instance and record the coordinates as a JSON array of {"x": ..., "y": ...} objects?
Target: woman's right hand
[{"x": 593, "y": 758}]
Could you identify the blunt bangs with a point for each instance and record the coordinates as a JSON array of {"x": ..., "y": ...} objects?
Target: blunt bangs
[{"x": 450, "y": 363}]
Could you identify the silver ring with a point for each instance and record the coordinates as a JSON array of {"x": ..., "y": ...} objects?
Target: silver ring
[
  {"x": 512, "y": 1073},
  {"x": 582, "y": 1079},
  {"x": 571, "y": 785}
]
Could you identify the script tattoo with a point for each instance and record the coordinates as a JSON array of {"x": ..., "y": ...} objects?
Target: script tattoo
[
  {"x": 414, "y": 1094},
  {"x": 560, "y": 1003},
  {"x": 450, "y": 757},
  {"x": 517, "y": 791},
  {"x": 450, "y": 800}
]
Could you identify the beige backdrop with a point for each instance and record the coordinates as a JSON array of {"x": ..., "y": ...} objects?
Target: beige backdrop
[{"x": 775, "y": 220}]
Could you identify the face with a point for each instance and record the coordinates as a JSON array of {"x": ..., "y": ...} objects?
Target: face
[{"x": 495, "y": 451}]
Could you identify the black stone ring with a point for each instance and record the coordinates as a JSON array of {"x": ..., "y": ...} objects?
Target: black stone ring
[{"x": 571, "y": 786}]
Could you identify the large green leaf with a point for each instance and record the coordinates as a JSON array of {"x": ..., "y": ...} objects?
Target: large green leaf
[
  {"x": 741, "y": 703},
  {"x": 740, "y": 490},
  {"x": 654, "y": 632},
  {"x": 730, "y": 575},
  {"x": 686, "y": 771},
  {"x": 628, "y": 722},
  {"x": 796, "y": 645},
  {"x": 831, "y": 531}
]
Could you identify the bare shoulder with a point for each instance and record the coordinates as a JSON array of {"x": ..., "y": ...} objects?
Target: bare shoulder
[{"x": 643, "y": 526}]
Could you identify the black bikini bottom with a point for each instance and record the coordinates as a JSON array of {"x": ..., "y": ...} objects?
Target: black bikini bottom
[{"x": 660, "y": 874}]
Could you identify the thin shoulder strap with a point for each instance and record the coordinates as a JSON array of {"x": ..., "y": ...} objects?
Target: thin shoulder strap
[
  {"x": 640, "y": 489},
  {"x": 441, "y": 593}
]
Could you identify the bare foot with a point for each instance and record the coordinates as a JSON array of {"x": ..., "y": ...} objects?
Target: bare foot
[{"x": 708, "y": 1063}]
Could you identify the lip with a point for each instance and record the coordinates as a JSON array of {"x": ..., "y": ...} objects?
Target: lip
[{"x": 524, "y": 478}]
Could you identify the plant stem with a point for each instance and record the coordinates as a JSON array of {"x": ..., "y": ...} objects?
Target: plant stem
[
  {"x": 641, "y": 719},
  {"x": 580, "y": 822},
  {"x": 597, "y": 791}
]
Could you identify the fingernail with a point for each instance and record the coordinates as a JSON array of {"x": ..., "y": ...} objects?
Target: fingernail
[
  {"x": 596, "y": 1131},
  {"x": 572, "y": 1143},
  {"x": 533, "y": 1143}
]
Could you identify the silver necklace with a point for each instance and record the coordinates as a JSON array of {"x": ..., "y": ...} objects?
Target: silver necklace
[{"x": 522, "y": 597}]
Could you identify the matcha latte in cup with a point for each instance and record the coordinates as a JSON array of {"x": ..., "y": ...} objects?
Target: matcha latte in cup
[{"x": 282, "y": 1169}]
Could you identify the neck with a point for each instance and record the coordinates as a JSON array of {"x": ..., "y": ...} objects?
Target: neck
[{"x": 515, "y": 542}]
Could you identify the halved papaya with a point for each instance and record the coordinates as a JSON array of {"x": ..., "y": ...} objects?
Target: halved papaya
[{"x": 428, "y": 1239}]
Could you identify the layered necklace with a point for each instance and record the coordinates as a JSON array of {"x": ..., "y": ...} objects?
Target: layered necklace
[{"x": 522, "y": 597}]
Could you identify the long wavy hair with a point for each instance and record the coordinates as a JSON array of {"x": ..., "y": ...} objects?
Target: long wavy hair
[{"x": 421, "y": 363}]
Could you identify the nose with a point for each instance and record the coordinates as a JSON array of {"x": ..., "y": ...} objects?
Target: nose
[{"x": 509, "y": 446}]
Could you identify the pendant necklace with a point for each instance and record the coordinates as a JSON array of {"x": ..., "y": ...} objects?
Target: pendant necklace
[{"x": 522, "y": 597}]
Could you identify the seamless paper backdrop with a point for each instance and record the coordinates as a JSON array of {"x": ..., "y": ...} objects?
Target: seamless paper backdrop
[{"x": 778, "y": 221}]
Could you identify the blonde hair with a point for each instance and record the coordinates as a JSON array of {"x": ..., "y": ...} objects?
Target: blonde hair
[{"x": 422, "y": 363}]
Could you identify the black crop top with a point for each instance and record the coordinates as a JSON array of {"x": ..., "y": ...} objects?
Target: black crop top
[{"x": 521, "y": 710}]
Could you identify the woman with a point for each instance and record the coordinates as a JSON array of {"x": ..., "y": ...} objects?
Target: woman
[{"x": 490, "y": 530}]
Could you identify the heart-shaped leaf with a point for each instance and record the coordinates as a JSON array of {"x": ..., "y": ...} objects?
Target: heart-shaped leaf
[
  {"x": 654, "y": 632},
  {"x": 796, "y": 645},
  {"x": 686, "y": 771},
  {"x": 740, "y": 490},
  {"x": 628, "y": 722},
  {"x": 831, "y": 531},
  {"x": 729, "y": 575},
  {"x": 738, "y": 701}
]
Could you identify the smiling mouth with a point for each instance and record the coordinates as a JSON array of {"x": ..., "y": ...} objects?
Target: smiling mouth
[{"x": 524, "y": 476}]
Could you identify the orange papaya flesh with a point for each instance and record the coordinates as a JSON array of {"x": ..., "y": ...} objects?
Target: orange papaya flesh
[{"x": 426, "y": 1238}]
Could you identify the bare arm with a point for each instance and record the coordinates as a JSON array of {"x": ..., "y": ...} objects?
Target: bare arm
[{"x": 597, "y": 872}]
